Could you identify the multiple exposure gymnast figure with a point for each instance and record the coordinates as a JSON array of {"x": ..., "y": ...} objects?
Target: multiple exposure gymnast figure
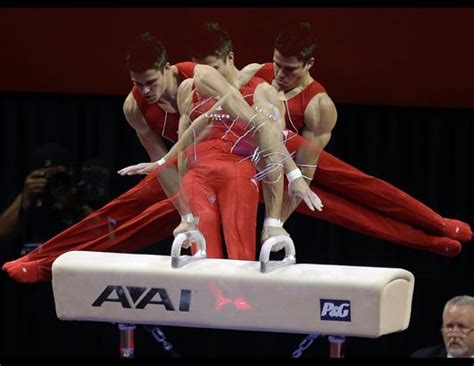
[{"x": 351, "y": 198}]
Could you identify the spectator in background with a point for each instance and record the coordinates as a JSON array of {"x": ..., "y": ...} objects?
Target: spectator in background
[
  {"x": 457, "y": 331},
  {"x": 52, "y": 199},
  {"x": 48, "y": 203}
]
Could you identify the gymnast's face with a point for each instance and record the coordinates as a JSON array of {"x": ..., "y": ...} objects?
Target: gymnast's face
[
  {"x": 222, "y": 64},
  {"x": 458, "y": 330},
  {"x": 151, "y": 84},
  {"x": 289, "y": 71}
]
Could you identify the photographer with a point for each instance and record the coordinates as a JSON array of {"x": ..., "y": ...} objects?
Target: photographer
[{"x": 49, "y": 202}]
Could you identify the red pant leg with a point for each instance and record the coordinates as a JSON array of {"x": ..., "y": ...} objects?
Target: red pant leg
[
  {"x": 204, "y": 206},
  {"x": 343, "y": 179},
  {"x": 375, "y": 193},
  {"x": 238, "y": 195},
  {"x": 351, "y": 215},
  {"x": 105, "y": 220},
  {"x": 150, "y": 226}
]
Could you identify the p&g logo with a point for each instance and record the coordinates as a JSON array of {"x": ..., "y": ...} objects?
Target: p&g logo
[{"x": 337, "y": 310}]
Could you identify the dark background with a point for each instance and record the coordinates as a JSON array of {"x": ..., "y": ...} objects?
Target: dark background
[{"x": 401, "y": 78}]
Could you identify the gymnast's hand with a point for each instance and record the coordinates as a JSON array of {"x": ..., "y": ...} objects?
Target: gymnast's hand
[
  {"x": 299, "y": 190},
  {"x": 272, "y": 231},
  {"x": 141, "y": 168}
]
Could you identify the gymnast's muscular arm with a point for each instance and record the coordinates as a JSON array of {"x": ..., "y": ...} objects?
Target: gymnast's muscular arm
[
  {"x": 185, "y": 105},
  {"x": 248, "y": 72},
  {"x": 152, "y": 143},
  {"x": 156, "y": 149},
  {"x": 149, "y": 139},
  {"x": 188, "y": 135},
  {"x": 319, "y": 120},
  {"x": 184, "y": 101}
]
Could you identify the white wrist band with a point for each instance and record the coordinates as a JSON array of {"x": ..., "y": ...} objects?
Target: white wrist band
[
  {"x": 294, "y": 174},
  {"x": 270, "y": 221},
  {"x": 188, "y": 218},
  {"x": 161, "y": 161}
]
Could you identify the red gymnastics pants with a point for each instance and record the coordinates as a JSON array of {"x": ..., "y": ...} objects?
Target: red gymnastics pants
[
  {"x": 222, "y": 193},
  {"x": 352, "y": 199}
]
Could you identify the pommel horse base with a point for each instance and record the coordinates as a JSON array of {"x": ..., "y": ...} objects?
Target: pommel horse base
[{"x": 196, "y": 291}]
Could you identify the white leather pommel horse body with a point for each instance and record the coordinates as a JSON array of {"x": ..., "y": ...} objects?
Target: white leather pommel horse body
[{"x": 232, "y": 294}]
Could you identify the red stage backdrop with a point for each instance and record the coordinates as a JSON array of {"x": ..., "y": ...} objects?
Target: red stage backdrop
[{"x": 386, "y": 56}]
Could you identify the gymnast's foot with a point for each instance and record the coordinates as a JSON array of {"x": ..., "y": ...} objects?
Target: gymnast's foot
[
  {"x": 457, "y": 230},
  {"x": 13, "y": 263},
  {"x": 445, "y": 246},
  {"x": 27, "y": 272}
]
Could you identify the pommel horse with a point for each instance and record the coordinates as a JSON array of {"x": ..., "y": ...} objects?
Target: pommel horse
[{"x": 264, "y": 295}]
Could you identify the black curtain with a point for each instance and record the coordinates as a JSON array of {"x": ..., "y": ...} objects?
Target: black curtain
[{"x": 425, "y": 152}]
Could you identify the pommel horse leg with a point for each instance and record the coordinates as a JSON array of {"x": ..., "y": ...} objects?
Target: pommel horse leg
[
  {"x": 127, "y": 344},
  {"x": 336, "y": 346}
]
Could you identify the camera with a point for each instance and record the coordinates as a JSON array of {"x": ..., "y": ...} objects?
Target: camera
[
  {"x": 59, "y": 182},
  {"x": 59, "y": 185}
]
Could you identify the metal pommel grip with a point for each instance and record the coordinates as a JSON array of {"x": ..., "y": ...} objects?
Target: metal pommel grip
[
  {"x": 266, "y": 265},
  {"x": 185, "y": 240}
]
